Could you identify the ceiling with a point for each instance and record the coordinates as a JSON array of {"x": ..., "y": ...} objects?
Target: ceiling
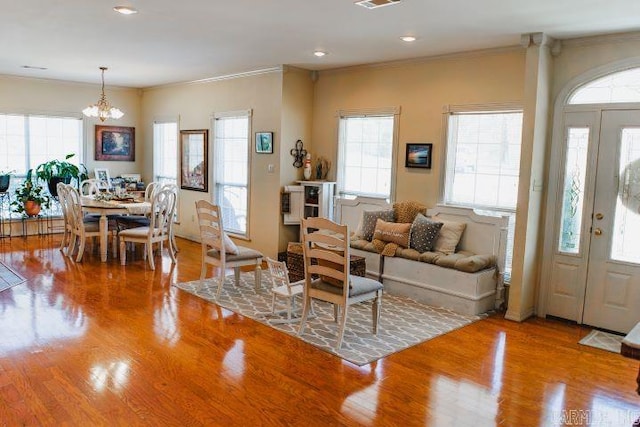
[{"x": 173, "y": 41}]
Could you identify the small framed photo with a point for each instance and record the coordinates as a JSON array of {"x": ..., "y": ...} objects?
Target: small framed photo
[
  {"x": 418, "y": 156},
  {"x": 103, "y": 177},
  {"x": 115, "y": 143},
  {"x": 264, "y": 142}
]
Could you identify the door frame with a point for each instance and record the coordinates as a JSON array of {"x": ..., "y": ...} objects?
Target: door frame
[{"x": 555, "y": 164}]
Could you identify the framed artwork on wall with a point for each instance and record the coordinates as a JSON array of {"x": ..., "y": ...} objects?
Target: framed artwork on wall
[
  {"x": 264, "y": 142},
  {"x": 194, "y": 170},
  {"x": 418, "y": 155},
  {"x": 115, "y": 143}
]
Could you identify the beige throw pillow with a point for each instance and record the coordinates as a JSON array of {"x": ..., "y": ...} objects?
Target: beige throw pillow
[
  {"x": 392, "y": 232},
  {"x": 229, "y": 246},
  {"x": 449, "y": 236}
]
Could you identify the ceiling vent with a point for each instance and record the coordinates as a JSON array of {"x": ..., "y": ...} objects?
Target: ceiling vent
[{"x": 374, "y": 4}]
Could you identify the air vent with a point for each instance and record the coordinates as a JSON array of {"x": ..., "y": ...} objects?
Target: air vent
[{"x": 374, "y": 4}]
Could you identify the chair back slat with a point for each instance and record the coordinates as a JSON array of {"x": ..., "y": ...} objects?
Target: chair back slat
[
  {"x": 210, "y": 223},
  {"x": 326, "y": 252}
]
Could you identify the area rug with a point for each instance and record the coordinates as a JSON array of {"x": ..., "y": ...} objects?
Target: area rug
[
  {"x": 9, "y": 278},
  {"x": 603, "y": 340},
  {"x": 403, "y": 322}
]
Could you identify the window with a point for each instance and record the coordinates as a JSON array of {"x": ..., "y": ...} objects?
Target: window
[
  {"x": 165, "y": 152},
  {"x": 623, "y": 86},
  {"x": 28, "y": 140},
  {"x": 483, "y": 164},
  {"x": 231, "y": 170},
  {"x": 367, "y": 143}
]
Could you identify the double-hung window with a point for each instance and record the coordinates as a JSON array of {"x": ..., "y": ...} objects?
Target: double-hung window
[
  {"x": 165, "y": 152},
  {"x": 28, "y": 140},
  {"x": 231, "y": 169},
  {"x": 483, "y": 163},
  {"x": 366, "y": 145}
]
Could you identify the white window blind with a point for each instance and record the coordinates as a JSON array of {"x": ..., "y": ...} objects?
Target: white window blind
[
  {"x": 231, "y": 170},
  {"x": 165, "y": 152},
  {"x": 365, "y": 155},
  {"x": 483, "y": 164}
]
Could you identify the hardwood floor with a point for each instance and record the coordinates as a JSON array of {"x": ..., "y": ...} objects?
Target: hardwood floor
[{"x": 96, "y": 343}]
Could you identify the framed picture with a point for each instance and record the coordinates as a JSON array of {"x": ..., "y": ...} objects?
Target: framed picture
[
  {"x": 264, "y": 142},
  {"x": 115, "y": 143},
  {"x": 103, "y": 177},
  {"x": 418, "y": 156},
  {"x": 193, "y": 160}
]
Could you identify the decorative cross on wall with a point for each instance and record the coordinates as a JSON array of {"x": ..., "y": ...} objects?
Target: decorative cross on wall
[{"x": 299, "y": 154}]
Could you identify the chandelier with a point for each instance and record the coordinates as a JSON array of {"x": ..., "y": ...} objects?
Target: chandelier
[{"x": 102, "y": 109}]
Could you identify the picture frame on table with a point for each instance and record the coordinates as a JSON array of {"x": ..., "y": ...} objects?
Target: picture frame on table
[
  {"x": 103, "y": 178},
  {"x": 418, "y": 155},
  {"x": 115, "y": 143},
  {"x": 264, "y": 142},
  {"x": 194, "y": 168}
]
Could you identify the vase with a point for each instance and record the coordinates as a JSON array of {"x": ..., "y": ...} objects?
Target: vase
[
  {"x": 31, "y": 208},
  {"x": 5, "y": 180}
]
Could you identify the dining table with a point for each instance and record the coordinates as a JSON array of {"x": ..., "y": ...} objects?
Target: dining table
[{"x": 114, "y": 206}]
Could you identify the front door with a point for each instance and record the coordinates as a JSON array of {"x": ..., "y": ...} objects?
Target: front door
[{"x": 595, "y": 275}]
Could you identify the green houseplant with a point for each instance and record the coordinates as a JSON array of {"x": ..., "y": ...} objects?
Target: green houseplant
[
  {"x": 29, "y": 198},
  {"x": 55, "y": 171},
  {"x": 5, "y": 180}
]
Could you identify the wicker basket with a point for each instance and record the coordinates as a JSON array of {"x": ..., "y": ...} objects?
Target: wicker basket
[{"x": 295, "y": 263}]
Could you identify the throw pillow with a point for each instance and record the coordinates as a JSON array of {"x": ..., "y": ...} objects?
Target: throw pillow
[
  {"x": 392, "y": 232},
  {"x": 424, "y": 233},
  {"x": 229, "y": 246},
  {"x": 406, "y": 211},
  {"x": 449, "y": 236},
  {"x": 368, "y": 222}
]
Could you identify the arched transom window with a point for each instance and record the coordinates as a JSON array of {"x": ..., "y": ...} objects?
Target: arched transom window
[{"x": 623, "y": 86}]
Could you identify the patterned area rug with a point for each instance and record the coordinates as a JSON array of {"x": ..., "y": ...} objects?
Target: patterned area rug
[
  {"x": 403, "y": 322},
  {"x": 9, "y": 278},
  {"x": 603, "y": 340}
]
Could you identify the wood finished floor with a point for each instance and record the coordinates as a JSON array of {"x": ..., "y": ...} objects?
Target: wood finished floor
[{"x": 100, "y": 344}]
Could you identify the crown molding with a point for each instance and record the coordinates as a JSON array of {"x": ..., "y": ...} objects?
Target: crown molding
[
  {"x": 278, "y": 69},
  {"x": 601, "y": 39}
]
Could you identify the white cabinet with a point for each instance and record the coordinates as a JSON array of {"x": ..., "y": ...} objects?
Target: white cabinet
[{"x": 309, "y": 199}]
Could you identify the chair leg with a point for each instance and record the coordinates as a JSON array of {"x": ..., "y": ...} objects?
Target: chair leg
[
  {"x": 305, "y": 312},
  {"x": 220, "y": 283},
  {"x": 123, "y": 252},
  {"x": 258, "y": 277},
  {"x": 150, "y": 255},
  {"x": 273, "y": 303},
  {"x": 236, "y": 275},
  {"x": 172, "y": 253},
  {"x": 83, "y": 241},
  {"x": 377, "y": 305},
  {"x": 343, "y": 323},
  {"x": 72, "y": 245},
  {"x": 203, "y": 270},
  {"x": 289, "y": 307},
  {"x": 336, "y": 312}
]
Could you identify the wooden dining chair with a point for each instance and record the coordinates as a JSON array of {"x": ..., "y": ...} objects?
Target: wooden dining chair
[
  {"x": 219, "y": 250},
  {"x": 80, "y": 227},
  {"x": 61, "y": 188},
  {"x": 158, "y": 230},
  {"x": 131, "y": 221},
  {"x": 328, "y": 277}
]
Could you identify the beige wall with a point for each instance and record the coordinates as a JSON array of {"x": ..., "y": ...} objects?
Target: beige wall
[
  {"x": 421, "y": 89},
  {"x": 25, "y": 95},
  {"x": 195, "y": 104},
  {"x": 297, "y": 115}
]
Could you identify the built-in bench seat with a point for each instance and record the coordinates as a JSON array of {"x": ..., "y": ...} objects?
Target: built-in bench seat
[{"x": 468, "y": 281}]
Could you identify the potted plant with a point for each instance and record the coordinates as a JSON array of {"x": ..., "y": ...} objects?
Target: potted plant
[
  {"x": 29, "y": 198},
  {"x": 5, "y": 180},
  {"x": 55, "y": 171}
]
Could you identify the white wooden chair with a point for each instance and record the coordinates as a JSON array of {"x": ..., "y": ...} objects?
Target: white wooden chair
[
  {"x": 61, "y": 188},
  {"x": 89, "y": 187},
  {"x": 214, "y": 247},
  {"x": 80, "y": 228},
  {"x": 328, "y": 243},
  {"x": 158, "y": 231},
  {"x": 282, "y": 288},
  {"x": 131, "y": 221}
]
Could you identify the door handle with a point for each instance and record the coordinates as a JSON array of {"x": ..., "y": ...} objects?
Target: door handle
[
  {"x": 599, "y": 216},
  {"x": 597, "y": 231}
]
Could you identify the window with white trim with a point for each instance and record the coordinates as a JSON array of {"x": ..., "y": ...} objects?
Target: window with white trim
[
  {"x": 165, "y": 152},
  {"x": 483, "y": 164},
  {"x": 231, "y": 170},
  {"x": 29, "y": 140},
  {"x": 366, "y": 147}
]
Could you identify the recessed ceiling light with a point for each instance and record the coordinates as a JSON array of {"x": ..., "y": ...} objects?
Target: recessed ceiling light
[
  {"x": 319, "y": 53},
  {"x": 408, "y": 39},
  {"x": 34, "y": 67},
  {"x": 125, "y": 10}
]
